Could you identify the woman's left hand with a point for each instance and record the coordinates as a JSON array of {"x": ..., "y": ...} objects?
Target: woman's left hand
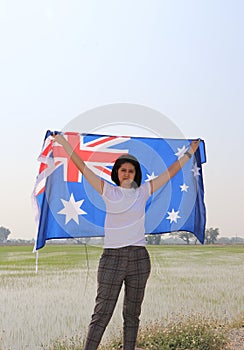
[{"x": 194, "y": 145}]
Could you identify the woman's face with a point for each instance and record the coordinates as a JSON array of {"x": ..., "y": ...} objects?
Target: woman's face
[{"x": 126, "y": 175}]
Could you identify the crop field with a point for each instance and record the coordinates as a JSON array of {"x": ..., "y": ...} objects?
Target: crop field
[{"x": 36, "y": 309}]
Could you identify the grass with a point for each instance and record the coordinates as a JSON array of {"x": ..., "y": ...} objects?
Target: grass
[
  {"x": 55, "y": 305},
  {"x": 182, "y": 333},
  {"x": 191, "y": 333}
]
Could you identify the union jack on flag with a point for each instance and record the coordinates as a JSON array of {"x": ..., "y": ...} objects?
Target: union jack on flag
[{"x": 68, "y": 207}]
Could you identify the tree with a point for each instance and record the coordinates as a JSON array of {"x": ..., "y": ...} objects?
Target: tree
[
  {"x": 185, "y": 236},
  {"x": 4, "y": 233},
  {"x": 154, "y": 239},
  {"x": 211, "y": 235}
]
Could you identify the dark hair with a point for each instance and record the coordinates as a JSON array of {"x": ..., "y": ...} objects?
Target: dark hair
[{"x": 127, "y": 158}]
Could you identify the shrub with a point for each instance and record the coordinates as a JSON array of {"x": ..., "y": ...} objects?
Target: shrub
[
  {"x": 180, "y": 334},
  {"x": 74, "y": 343},
  {"x": 184, "y": 334}
]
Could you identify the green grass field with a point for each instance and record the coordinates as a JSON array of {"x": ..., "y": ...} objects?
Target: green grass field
[{"x": 57, "y": 302}]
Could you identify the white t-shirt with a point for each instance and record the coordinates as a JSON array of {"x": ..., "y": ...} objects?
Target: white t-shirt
[{"x": 125, "y": 215}]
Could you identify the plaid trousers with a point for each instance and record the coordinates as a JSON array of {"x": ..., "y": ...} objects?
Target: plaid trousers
[{"x": 131, "y": 266}]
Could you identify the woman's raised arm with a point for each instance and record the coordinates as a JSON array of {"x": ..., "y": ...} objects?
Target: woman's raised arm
[
  {"x": 90, "y": 176},
  {"x": 164, "y": 177}
]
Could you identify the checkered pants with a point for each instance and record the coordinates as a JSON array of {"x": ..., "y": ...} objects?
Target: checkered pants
[{"x": 128, "y": 265}]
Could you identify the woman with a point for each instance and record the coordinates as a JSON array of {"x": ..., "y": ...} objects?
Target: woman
[{"x": 125, "y": 258}]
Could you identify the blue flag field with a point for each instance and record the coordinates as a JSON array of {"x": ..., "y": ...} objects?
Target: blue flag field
[{"x": 68, "y": 207}]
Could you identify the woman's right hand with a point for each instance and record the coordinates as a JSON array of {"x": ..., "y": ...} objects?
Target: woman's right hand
[{"x": 59, "y": 138}]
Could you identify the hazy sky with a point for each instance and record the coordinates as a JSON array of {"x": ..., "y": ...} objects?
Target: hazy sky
[{"x": 182, "y": 58}]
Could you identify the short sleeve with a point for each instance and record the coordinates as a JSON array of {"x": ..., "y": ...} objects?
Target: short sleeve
[{"x": 146, "y": 188}]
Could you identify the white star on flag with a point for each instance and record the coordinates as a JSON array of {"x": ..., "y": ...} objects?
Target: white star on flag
[
  {"x": 181, "y": 152},
  {"x": 151, "y": 177},
  {"x": 72, "y": 209},
  {"x": 195, "y": 170},
  {"x": 184, "y": 188},
  {"x": 173, "y": 216}
]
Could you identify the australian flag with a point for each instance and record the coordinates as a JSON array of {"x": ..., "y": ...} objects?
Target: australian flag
[{"x": 68, "y": 207}]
